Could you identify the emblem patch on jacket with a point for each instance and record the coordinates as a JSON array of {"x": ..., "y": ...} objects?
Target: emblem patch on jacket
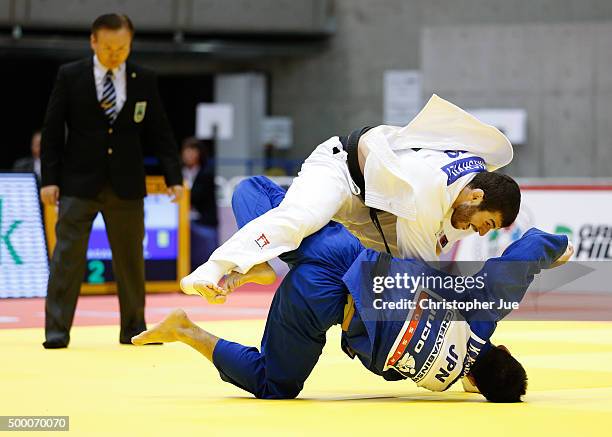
[
  {"x": 442, "y": 239},
  {"x": 262, "y": 241},
  {"x": 139, "y": 111}
]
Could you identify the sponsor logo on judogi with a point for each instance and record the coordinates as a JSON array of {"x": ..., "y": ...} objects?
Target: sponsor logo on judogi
[
  {"x": 420, "y": 341},
  {"x": 410, "y": 327},
  {"x": 461, "y": 167}
]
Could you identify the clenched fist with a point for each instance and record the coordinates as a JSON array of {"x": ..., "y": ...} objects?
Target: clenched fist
[{"x": 50, "y": 195}]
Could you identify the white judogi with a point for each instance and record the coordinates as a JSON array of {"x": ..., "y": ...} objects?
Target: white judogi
[
  {"x": 430, "y": 226},
  {"x": 411, "y": 186},
  {"x": 391, "y": 183}
]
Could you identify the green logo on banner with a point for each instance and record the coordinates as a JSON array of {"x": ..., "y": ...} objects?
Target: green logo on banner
[
  {"x": 562, "y": 229},
  {"x": 6, "y": 239}
]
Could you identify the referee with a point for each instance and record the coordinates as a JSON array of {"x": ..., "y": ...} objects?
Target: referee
[{"x": 101, "y": 113}]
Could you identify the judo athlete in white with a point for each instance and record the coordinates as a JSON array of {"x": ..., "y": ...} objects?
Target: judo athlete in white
[{"x": 412, "y": 191}]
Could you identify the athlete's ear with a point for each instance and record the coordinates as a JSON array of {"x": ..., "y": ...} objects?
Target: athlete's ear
[
  {"x": 504, "y": 348},
  {"x": 476, "y": 196}
]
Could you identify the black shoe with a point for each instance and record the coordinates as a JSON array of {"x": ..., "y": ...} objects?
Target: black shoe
[{"x": 55, "y": 343}]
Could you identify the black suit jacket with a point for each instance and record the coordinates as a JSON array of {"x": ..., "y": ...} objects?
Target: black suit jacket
[{"x": 94, "y": 153}]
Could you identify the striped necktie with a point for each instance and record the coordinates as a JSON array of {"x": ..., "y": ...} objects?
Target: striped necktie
[{"x": 108, "y": 102}]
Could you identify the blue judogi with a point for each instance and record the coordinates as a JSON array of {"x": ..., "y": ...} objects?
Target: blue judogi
[
  {"x": 441, "y": 345},
  {"x": 308, "y": 302},
  {"x": 328, "y": 266}
]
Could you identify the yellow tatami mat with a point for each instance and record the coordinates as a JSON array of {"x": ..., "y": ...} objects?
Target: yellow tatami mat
[{"x": 170, "y": 390}]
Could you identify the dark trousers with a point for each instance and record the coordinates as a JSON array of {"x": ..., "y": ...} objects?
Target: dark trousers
[{"x": 124, "y": 220}]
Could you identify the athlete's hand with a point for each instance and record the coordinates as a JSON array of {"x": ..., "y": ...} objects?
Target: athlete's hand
[
  {"x": 468, "y": 385},
  {"x": 50, "y": 195},
  {"x": 565, "y": 257}
]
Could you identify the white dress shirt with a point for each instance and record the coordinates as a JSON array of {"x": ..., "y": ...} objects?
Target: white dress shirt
[
  {"x": 37, "y": 167},
  {"x": 118, "y": 81}
]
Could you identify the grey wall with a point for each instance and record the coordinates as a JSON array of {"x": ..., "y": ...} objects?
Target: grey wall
[
  {"x": 551, "y": 57},
  {"x": 560, "y": 73}
]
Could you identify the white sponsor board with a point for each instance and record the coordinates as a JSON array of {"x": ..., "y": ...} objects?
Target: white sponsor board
[{"x": 24, "y": 268}]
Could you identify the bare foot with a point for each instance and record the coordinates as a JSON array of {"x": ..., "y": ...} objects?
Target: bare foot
[
  {"x": 166, "y": 331},
  {"x": 259, "y": 274}
]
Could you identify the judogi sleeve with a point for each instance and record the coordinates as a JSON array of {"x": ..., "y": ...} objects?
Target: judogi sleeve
[
  {"x": 505, "y": 278},
  {"x": 509, "y": 276},
  {"x": 255, "y": 196}
]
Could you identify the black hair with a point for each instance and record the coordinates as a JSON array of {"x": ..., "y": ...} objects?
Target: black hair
[
  {"x": 191, "y": 143},
  {"x": 499, "y": 376},
  {"x": 501, "y": 194},
  {"x": 112, "y": 22}
]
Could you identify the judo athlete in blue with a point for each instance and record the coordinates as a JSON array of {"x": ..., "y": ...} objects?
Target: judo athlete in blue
[{"x": 330, "y": 283}]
